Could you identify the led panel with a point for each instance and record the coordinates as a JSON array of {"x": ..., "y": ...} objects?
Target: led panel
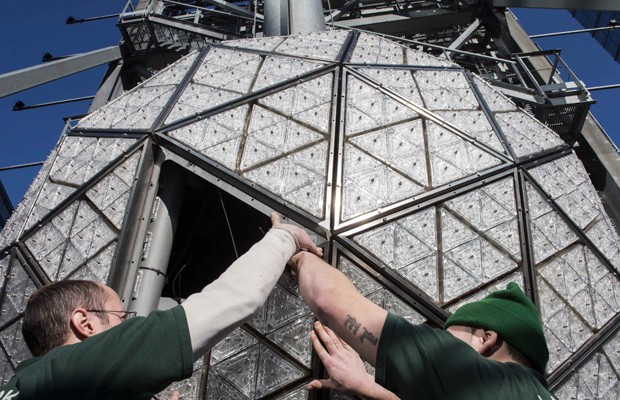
[
  {"x": 78, "y": 160},
  {"x": 223, "y": 75},
  {"x": 525, "y": 135},
  {"x": 368, "y": 108},
  {"x": 279, "y": 69},
  {"x": 376, "y": 293},
  {"x": 19, "y": 287},
  {"x": 217, "y": 137},
  {"x": 446, "y": 90},
  {"x": 371, "y": 49},
  {"x": 396, "y": 151},
  {"x": 188, "y": 388},
  {"x": 138, "y": 108},
  {"x": 322, "y": 45},
  {"x": 13, "y": 341}
]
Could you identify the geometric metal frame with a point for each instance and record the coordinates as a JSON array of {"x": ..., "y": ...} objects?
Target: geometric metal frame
[{"x": 341, "y": 234}]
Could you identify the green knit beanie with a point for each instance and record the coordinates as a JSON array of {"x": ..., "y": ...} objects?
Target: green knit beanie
[{"x": 515, "y": 319}]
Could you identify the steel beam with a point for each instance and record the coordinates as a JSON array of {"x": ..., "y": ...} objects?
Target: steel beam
[
  {"x": 466, "y": 35},
  {"x": 23, "y": 79},
  {"x": 336, "y": 14},
  {"x": 235, "y": 9},
  {"x": 602, "y": 5},
  {"x": 111, "y": 88},
  {"x": 187, "y": 27},
  {"x": 405, "y": 24}
]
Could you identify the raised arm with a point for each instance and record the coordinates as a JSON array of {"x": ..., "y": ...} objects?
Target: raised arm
[
  {"x": 231, "y": 299},
  {"x": 336, "y": 303}
]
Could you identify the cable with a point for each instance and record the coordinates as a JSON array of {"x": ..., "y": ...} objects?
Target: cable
[
  {"x": 232, "y": 237},
  {"x": 331, "y": 17}
]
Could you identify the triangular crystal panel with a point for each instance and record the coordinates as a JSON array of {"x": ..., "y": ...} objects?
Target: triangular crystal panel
[
  {"x": 295, "y": 339},
  {"x": 362, "y": 281},
  {"x": 219, "y": 389},
  {"x": 139, "y": 108},
  {"x": 217, "y": 137},
  {"x": 276, "y": 69},
  {"x": 14, "y": 343},
  {"x": 418, "y": 57},
  {"x": 400, "y": 146},
  {"x": 368, "y": 108},
  {"x": 397, "y": 80},
  {"x": 446, "y": 90},
  {"x": 280, "y": 308},
  {"x": 475, "y": 124},
  {"x": 322, "y": 45},
  {"x": 525, "y": 134},
  {"x": 235, "y": 342},
  {"x": 19, "y": 287},
  {"x": 493, "y": 98},
  {"x": 271, "y": 135},
  {"x": 299, "y": 178},
  {"x": 97, "y": 269},
  {"x": 369, "y": 184},
  {"x": 453, "y": 158},
  {"x": 564, "y": 330},
  {"x": 549, "y": 231},
  {"x": 217, "y": 81},
  {"x": 240, "y": 370},
  {"x": 274, "y": 372},
  {"x": 570, "y": 187},
  {"x": 371, "y": 49},
  {"x": 307, "y": 103}
]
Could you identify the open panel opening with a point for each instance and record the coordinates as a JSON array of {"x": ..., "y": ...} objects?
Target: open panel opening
[{"x": 213, "y": 229}]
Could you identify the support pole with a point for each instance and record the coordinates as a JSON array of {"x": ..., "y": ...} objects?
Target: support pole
[
  {"x": 158, "y": 245},
  {"x": 16, "y": 81},
  {"x": 293, "y": 17}
]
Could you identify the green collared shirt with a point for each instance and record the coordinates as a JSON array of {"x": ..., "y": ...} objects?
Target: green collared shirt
[
  {"x": 134, "y": 360},
  {"x": 420, "y": 362}
]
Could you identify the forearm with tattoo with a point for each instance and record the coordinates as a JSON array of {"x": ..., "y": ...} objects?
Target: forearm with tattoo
[{"x": 352, "y": 325}]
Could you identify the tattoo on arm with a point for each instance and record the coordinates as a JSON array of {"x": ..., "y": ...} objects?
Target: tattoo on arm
[
  {"x": 368, "y": 335},
  {"x": 354, "y": 326}
]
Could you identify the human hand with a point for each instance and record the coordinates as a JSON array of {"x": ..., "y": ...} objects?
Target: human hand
[
  {"x": 175, "y": 395},
  {"x": 301, "y": 236},
  {"x": 345, "y": 367}
]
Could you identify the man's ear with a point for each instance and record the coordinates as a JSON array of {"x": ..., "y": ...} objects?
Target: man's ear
[
  {"x": 81, "y": 324},
  {"x": 489, "y": 343}
]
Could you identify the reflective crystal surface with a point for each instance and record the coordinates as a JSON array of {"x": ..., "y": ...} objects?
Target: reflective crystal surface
[
  {"x": 526, "y": 135},
  {"x": 375, "y": 292},
  {"x": 371, "y": 49},
  {"x": 564, "y": 330},
  {"x": 70, "y": 239},
  {"x": 188, "y": 388},
  {"x": 14, "y": 343},
  {"x": 19, "y": 287},
  {"x": 402, "y": 161},
  {"x": 6, "y": 369}
]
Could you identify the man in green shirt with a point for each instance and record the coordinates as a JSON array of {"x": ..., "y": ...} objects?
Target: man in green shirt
[
  {"x": 491, "y": 349},
  {"x": 84, "y": 349}
]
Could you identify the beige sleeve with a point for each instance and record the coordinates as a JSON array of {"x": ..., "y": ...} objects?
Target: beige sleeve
[{"x": 242, "y": 289}]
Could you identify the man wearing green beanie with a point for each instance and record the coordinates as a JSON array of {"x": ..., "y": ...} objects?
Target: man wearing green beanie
[{"x": 490, "y": 349}]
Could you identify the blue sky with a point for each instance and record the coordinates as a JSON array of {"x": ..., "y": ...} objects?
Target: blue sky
[{"x": 29, "y": 136}]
